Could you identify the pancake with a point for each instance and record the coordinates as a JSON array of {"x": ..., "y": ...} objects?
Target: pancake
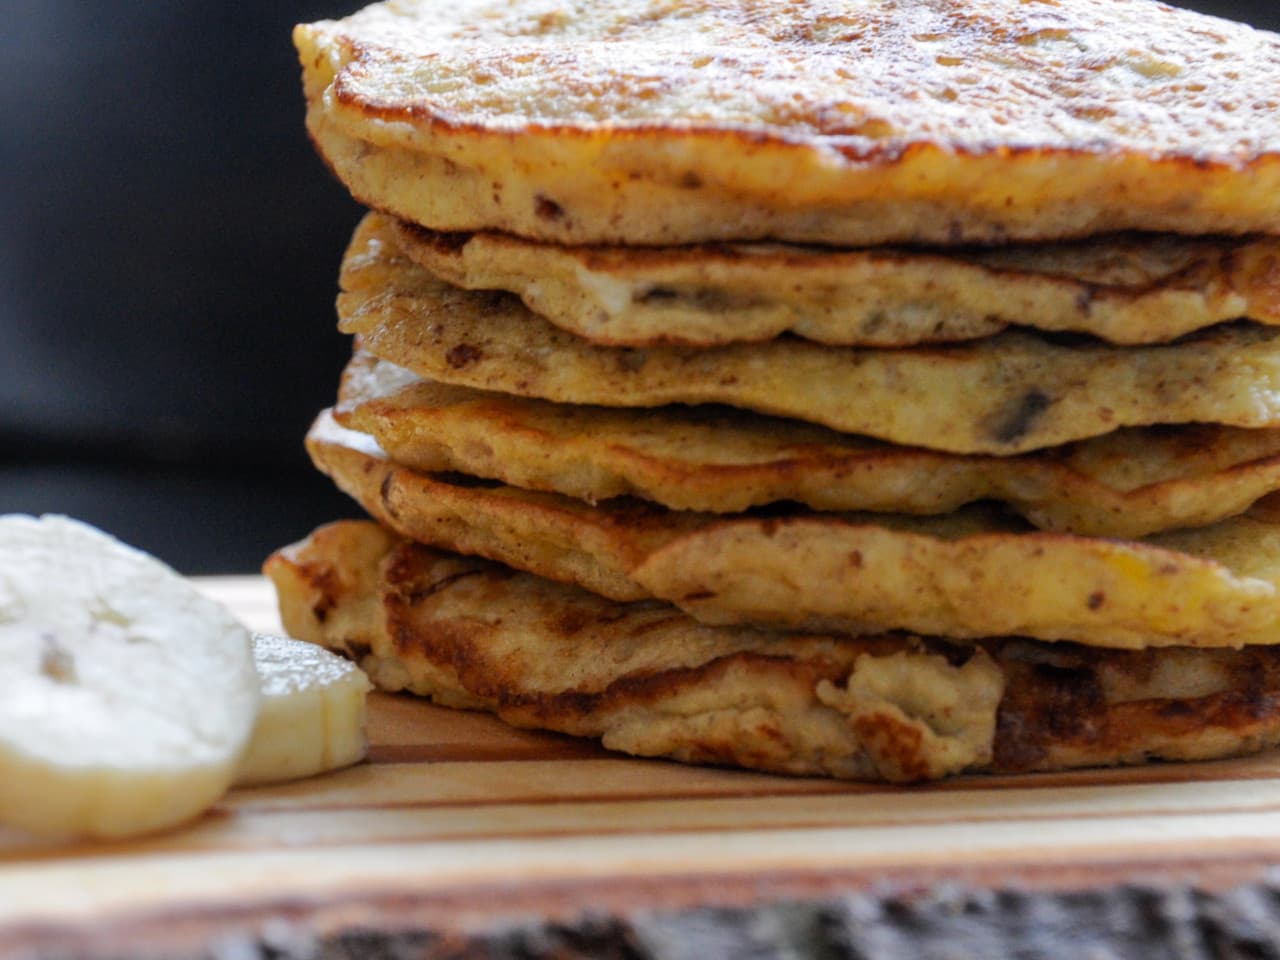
[
  {"x": 1002, "y": 395},
  {"x": 1127, "y": 290},
  {"x": 973, "y": 573},
  {"x": 938, "y": 121},
  {"x": 1129, "y": 483},
  {"x": 648, "y": 680}
]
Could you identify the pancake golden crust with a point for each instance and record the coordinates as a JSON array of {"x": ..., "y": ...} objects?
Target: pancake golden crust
[
  {"x": 630, "y": 121},
  {"x": 543, "y": 532},
  {"x": 1127, "y": 290},
  {"x": 974, "y": 573},
  {"x": 1130, "y": 483},
  {"x": 649, "y": 680},
  {"x": 1003, "y": 395}
]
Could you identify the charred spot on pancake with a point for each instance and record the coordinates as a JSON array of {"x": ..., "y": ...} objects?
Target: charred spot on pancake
[
  {"x": 464, "y": 354},
  {"x": 1016, "y": 422},
  {"x": 1045, "y": 706},
  {"x": 1075, "y": 697},
  {"x": 447, "y": 242},
  {"x": 547, "y": 209},
  {"x": 655, "y": 295},
  {"x": 572, "y": 621},
  {"x": 699, "y": 297}
]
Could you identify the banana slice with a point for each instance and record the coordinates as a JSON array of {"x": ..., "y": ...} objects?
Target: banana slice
[
  {"x": 126, "y": 697},
  {"x": 312, "y": 715}
]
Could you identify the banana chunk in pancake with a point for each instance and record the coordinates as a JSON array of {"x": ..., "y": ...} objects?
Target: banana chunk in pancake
[
  {"x": 649, "y": 680},
  {"x": 974, "y": 573},
  {"x": 1129, "y": 483},
  {"x": 858, "y": 123},
  {"x": 1127, "y": 290},
  {"x": 1006, "y": 394}
]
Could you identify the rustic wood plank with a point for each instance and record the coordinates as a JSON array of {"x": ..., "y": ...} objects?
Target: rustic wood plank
[
  {"x": 116, "y": 881},
  {"x": 404, "y": 729},
  {"x": 456, "y": 805}
]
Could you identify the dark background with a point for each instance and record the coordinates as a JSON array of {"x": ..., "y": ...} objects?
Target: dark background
[{"x": 168, "y": 256}]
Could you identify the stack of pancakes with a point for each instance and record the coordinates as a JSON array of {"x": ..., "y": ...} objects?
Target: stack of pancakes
[{"x": 864, "y": 389}]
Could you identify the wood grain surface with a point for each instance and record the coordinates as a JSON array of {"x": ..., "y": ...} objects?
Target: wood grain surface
[{"x": 457, "y": 817}]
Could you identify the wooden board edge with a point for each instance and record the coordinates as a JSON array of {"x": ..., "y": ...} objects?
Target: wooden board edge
[{"x": 509, "y": 919}]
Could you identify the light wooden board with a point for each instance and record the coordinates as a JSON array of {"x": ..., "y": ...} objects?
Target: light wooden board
[{"x": 452, "y": 803}]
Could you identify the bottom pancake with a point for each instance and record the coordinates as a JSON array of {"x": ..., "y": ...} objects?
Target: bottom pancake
[{"x": 649, "y": 680}]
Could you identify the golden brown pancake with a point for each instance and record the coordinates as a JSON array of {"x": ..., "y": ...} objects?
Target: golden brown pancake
[
  {"x": 1002, "y": 395},
  {"x": 1128, "y": 290},
  {"x": 974, "y": 573},
  {"x": 626, "y": 121},
  {"x": 1129, "y": 483},
  {"x": 649, "y": 680}
]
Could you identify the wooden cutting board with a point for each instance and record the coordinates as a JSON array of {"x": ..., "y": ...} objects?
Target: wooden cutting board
[{"x": 458, "y": 818}]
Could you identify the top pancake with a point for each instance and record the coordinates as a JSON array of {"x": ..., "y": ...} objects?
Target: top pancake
[{"x": 855, "y": 122}]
